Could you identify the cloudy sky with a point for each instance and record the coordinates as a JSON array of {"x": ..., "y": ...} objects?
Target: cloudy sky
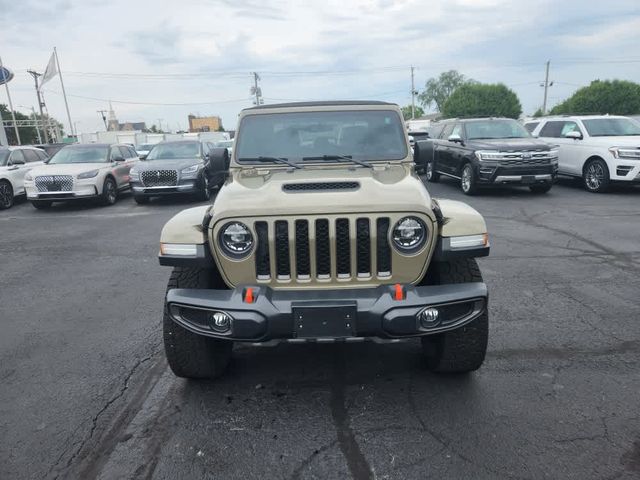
[{"x": 159, "y": 61}]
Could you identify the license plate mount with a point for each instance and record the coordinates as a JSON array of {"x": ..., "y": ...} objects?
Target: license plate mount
[
  {"x": 324, "y": 320},
  {"x": 528, "y": 179}
]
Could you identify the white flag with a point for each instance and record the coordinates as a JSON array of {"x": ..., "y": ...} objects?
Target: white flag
[{"x": 51, "y": 70}]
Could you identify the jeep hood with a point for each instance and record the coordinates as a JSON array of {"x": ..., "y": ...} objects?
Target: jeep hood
[
  {"x": 510, "y": 144},
  {"x": 261, "y": 192}
]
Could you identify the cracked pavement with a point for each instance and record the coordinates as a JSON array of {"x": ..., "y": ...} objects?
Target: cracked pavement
[{"x": 86, "y": 392}]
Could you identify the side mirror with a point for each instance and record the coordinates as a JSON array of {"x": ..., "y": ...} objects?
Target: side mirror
[
  {"x": 574, "y": 134},
  {"x": 455, "y": 138},
  {"x": 118, "y": 159}
]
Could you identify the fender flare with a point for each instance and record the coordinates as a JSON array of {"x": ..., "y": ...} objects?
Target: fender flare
[
  {"x": 459, "y": 220},
  {"x": 188, "y": 227}
]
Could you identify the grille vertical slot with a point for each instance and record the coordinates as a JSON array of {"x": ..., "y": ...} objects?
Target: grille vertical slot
[
  {"x": 283, "y": 265},
  {"x": 323, "y": 250},
  {"x": 383, "y": 251},
  {"x": 263, "y": 268},
  {"x": 363, "y": 247},
  {"x": 303, "y": 262},
  {"x": 343, "y": 248}
]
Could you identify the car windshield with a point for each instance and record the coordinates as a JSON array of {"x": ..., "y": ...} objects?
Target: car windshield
[
  {"x": 169, "y": 151},
  {"x": 611, "y": 127},
  {"x": 81, "y": 154},
  {"x": 365, "y": 134},
  {"x": 145, "y": 146},
  {"x": 4, "y": 156},
  {"x": 490, "y": 129}
]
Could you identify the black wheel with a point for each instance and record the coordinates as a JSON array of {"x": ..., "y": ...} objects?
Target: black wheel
[
  {"x": 6, "y": 195},
  {"x": 204, "y": 193},
  {"x": 141, "y": 200},
  {"x": 431, "y": 174},
  {"x": 461, "y": 350},
  {"x": 540, "y": 188},
  {"x": 42, "y": 204},
  {"x": 595, "y": 176},
  {"x": 191, "y": 355},
  {"x": 468, "y": 180},
  {"x": 109, "y": 192}
]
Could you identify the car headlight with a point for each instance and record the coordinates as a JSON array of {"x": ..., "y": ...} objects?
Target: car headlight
[
  {"x": 134, "y": 174},
  {"x": 490, "y": 156},
  {"x": 190, "y": 170},
  {"x": 628, "y": 152},
  {"x": 28, "y": 177},
  {"x": 409, "y": 234},
  {"x": 89, "y": 174},
  {"x": 236, "y": 239}
]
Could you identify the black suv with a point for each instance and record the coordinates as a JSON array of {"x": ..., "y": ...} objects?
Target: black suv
[
  {"x": 184, "y": 166},
  {"x": 488, "y": 151}
]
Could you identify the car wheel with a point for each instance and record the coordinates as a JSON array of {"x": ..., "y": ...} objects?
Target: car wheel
[
  {"x": 464, "y": 349},
  {"x": 141, "y": 200},
  {"x": 191, "y": 355},
  {"x": 540, "y": 188},
  {"x": 42, "y": 204},
  {"x": 595, "y": 176},
  {"x": 468, "y": 180},
  {"x": 109, "y": 192},
  {"x": 204, "y": 193},
  {"x": 6, "y": 195},
  {"x": 432, "y": 175}
]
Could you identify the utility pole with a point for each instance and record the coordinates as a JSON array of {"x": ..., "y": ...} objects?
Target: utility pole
[
  {"x": 160, "y": 124},
  {"x": 256, "y": 90},
  {"x": 413, "y": 95},
  {"x": 546, "y": 88},
  {"x": 35, "y": 76},
  {"x": 104, "y": 118}
]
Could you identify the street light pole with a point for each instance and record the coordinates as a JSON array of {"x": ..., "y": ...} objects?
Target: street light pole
[
  {"x": 13, "y": 114},
  {"x": 413, "y": 95}
]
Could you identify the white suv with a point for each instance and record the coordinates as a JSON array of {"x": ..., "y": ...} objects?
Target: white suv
[
  {"x": 15, "y": 162},
  {"x": 600, "y": 149}
]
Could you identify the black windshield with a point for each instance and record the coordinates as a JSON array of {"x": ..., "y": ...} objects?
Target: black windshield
[{"x": 364, "y": 134}]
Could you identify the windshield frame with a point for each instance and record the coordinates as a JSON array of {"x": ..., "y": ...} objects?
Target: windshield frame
[
  {"x": 403, "y": 153},
  {"x": 67, "y": 151},
  {"x": 589, "y": 123},
  {"x": 509, "y": 121}
]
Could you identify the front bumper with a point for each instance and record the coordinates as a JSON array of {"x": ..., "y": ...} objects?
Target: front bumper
[
  {"x": 517, "y": 175},
  {"x": 80, "y": 191},
  {"x": 304, "y": 315},
  {"x": 183, "y": 186}
]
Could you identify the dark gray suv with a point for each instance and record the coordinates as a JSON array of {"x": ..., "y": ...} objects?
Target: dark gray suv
[{"x": 180, "y": 167}]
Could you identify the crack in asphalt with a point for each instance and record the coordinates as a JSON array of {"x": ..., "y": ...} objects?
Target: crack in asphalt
[
  {"x": 94, "y": 420},
  {"x": 356, "y": 461}
]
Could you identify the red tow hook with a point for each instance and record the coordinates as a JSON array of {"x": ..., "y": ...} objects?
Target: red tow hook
[{"x": 398, "y": 292}]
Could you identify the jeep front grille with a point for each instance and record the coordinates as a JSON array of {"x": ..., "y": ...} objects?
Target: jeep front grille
[
  {"x": 54, "y": 183},
  {"x": 323, "y": 249},
  {"x": 159, "y": 178},
  {"x": 319, "y": 186}
]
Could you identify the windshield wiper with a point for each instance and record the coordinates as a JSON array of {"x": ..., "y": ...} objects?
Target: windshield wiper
[
  {"x": 339, "y": 157},
  {"x": 270, "y": 159}
]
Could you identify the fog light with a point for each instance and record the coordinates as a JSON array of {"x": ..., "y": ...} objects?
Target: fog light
[
  {"x": 220, "y": 322},
  {"x": 430, "y": 317}
]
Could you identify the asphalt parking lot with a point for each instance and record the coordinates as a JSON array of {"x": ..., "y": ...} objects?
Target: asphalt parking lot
[{"x": 86, "y": 392}]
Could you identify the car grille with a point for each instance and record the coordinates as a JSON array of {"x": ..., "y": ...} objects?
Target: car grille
[
  {"x": 319, "y": 186},
  {"x": 54, "y": 183},
  {"x": 525, "y": 158},
  {"x": 159, "y": 178},
  {"x": 322, "y": 249}
]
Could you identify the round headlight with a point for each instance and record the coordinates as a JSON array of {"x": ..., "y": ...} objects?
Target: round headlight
[
  {"x": 236, "y": 239},
  {"x": 409, "y": 234}
]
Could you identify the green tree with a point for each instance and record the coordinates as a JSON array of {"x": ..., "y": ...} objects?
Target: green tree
[
  {"x": 406, "y": 112},
  {"x": 538, "y": 113},
  {"x": 27, "y": 134},
  {"x": 617, "y": 97},
  {"x": 437, "y": 90},
  {"x": 473, "y": 100}
]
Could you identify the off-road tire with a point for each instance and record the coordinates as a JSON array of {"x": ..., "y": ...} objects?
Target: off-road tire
[
  {"x": 6, "y": 195},
  {"x": 191, "y": 355},
  {"x": 141, "y": 199},
  {"x": 109, "y": 194},
  {"x": 540, "y": 188},
  {"x": 597, "y": 181},
  {"x": 42, "y": 204},
  {"x": 471, "y": 188},
  {"x": 462, "y": 350}
]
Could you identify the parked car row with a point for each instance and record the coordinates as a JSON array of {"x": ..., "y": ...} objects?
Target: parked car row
[
  {"x": 103, "y": 171},
  {"x": 599, "y": 150}
]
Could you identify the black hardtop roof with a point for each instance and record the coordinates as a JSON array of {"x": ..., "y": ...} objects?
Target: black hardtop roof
[{"x": 327, "y": 103}]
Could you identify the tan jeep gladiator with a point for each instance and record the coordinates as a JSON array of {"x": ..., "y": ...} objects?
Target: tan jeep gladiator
[{"x": 323, "y": 232}]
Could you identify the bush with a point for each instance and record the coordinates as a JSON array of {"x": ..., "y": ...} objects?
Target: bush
[
  {"x": 617, "y": 97},
  {"x": 482, "y": 100}
]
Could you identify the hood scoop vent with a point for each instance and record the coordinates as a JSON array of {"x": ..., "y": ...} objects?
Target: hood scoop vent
[{"x": 319, "y": 186}]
